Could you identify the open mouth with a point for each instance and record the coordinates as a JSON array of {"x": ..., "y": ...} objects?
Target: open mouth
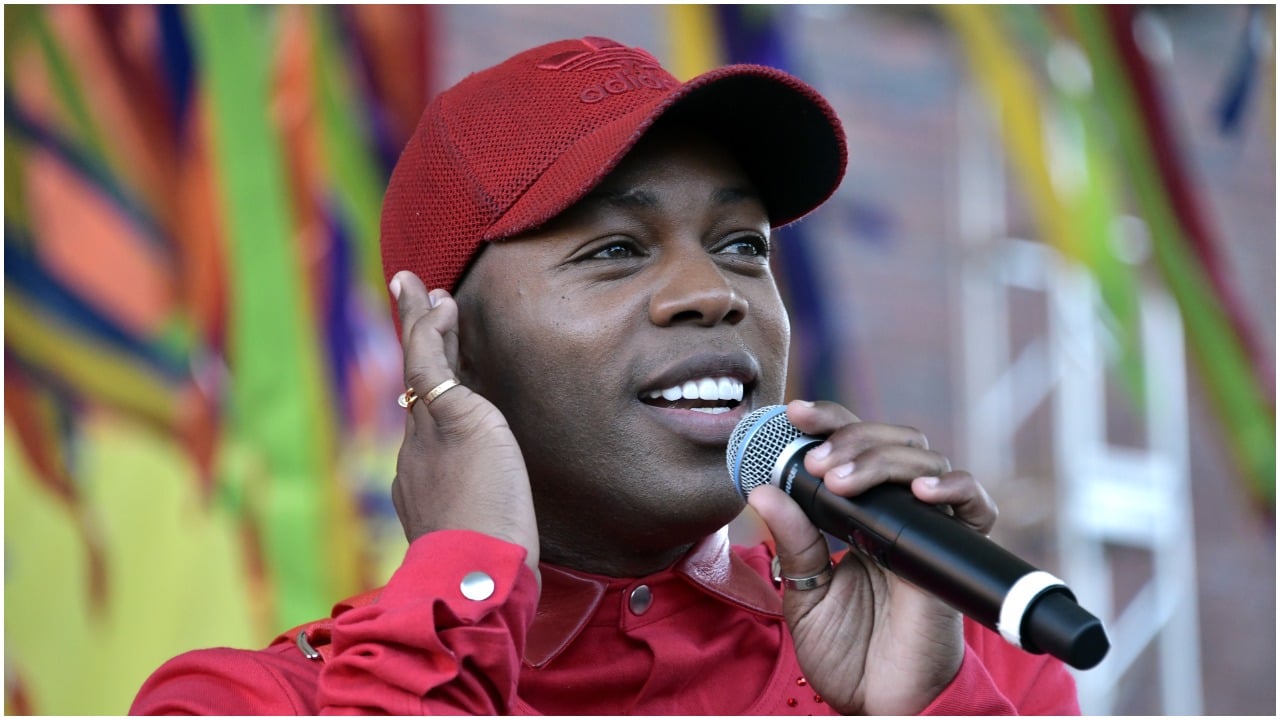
[{"x": 711, "y": 395}]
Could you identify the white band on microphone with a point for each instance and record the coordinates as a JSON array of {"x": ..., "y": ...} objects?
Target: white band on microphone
[{"x": 1018, "y": 600}]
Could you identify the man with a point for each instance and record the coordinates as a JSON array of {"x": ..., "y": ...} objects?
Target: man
[{"x": 577, "y": 245}]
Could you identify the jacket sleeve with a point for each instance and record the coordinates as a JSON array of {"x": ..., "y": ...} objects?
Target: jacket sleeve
[
  {"x": 996, "y": 678},
  {"x": 226, "y": 681},
  {"x": 422, "y": 647},
  {"x": 425, "y": 647}
]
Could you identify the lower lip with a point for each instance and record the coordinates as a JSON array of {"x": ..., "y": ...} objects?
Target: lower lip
[{"x": 699, "y": 427}]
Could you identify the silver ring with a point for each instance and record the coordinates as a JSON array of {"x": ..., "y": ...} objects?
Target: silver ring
[{"x": 811, "y": 582}]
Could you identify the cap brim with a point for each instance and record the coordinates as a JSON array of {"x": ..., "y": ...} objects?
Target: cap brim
[{"x": 787, "y": 137}]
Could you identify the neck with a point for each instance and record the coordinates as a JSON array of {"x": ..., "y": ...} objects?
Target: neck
[{"x": 611, "y": 562}]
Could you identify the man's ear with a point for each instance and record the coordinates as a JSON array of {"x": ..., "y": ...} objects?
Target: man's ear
[
  {"x": 464, "y": 365},
  {"x": 470, "y": 322},
  {"x": 468, "y": 327}
]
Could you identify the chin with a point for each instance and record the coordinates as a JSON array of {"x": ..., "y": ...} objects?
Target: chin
[
  {"x": 694, "y": 511},
  {"x": 645, "y": 496}
]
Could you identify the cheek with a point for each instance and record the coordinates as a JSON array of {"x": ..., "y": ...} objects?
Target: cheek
[
  {"x": 777, "y": 326},
  {"x": 774, "y": 341},
  {"x": 540, "y": 349},
  {"x": 577, "y": 347}
]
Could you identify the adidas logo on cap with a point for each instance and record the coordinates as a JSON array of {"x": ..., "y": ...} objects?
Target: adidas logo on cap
[{"x": 632, "y": 69}]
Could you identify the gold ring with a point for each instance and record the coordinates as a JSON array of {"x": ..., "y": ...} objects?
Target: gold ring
[
  {"x": 816, "y": 580},
  {"x": 407, "y": 398},
  {"x": 440, "y": 389}
]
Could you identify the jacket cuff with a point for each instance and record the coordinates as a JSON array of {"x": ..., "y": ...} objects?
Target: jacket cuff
[
  {"x": 470, "y": 571},
  {"x": 971, "y": 692}
]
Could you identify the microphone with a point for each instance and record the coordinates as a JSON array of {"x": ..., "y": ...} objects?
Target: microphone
[{"x": 921, "y": 544}]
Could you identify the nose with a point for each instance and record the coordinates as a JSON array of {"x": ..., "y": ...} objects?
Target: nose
[{"x": 694, "y": 290}]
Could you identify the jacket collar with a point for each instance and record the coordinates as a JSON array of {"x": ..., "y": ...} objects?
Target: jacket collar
[{"x": 570, "y": 598}]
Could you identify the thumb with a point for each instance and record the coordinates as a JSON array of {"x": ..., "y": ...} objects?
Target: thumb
[{"x": 802, "y": 550}]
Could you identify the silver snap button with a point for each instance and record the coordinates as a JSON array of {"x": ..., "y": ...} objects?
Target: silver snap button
[
  {"x": 640, "y": 600},
  {"x": 477, "y": 586}
]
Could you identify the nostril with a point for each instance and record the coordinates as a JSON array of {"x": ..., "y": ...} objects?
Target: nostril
[
  {"x": 686, "y": 316},
  {"x": 709, "y": 315}
]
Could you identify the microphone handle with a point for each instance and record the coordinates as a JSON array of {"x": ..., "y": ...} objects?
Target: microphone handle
[{"x": 955, "y": 563}]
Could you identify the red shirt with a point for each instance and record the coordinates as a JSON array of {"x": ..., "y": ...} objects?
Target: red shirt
[{"x": 711, "y": 640}]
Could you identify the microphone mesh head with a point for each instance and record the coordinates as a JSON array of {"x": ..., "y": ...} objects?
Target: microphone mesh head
[{"x": 755, "y": 446}]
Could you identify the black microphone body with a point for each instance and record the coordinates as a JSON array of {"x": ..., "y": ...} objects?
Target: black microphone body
[{"x": 923, "y": 545}]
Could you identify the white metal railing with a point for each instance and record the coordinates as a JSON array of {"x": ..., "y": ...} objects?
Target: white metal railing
[{"x": 1107, "y": 496}]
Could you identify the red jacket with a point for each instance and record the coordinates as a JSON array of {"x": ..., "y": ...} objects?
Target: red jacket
[{"x": 710, "y": 640}]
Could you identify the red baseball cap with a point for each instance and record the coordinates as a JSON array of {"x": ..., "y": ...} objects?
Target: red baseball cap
[{"x": 510, "y": 147}]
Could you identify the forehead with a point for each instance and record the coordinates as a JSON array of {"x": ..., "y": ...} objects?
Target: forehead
[
  {"x": 671, "y": 164},
  {"x": 674, "y": 174}
]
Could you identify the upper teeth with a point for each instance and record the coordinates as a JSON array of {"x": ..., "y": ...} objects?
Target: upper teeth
[{"x": 708, "y": 388}]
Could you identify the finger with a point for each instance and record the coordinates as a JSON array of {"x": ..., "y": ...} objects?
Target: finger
[
  {"x": 972, "y": 504},
  {"x": 818, "y": 418},
  {"x": 434, "y": 336},
  {"x": 850, "y": 441},
  {"x": 411, "y": 296},
  {"x": 883, "y": 463},
  {"x": 445, "y": 304},
  {"x": 802, "y": 550},
  {"x": 429, "y": 338},
  {"x": 423, "y": 313}
]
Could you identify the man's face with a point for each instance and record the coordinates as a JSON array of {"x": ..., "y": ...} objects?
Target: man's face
[{"x": 587, "y": 332}]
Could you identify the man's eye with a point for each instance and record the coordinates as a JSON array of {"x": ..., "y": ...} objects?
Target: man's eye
[
  {"x": 752, "y": 245},
  {"x": 615, "y": 251}
]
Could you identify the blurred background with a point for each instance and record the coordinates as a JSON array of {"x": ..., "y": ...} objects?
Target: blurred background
[{"x": 1054, "y": 253}]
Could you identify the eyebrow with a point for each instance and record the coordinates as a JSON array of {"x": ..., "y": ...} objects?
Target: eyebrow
[{"x": 636, "y": 198}]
